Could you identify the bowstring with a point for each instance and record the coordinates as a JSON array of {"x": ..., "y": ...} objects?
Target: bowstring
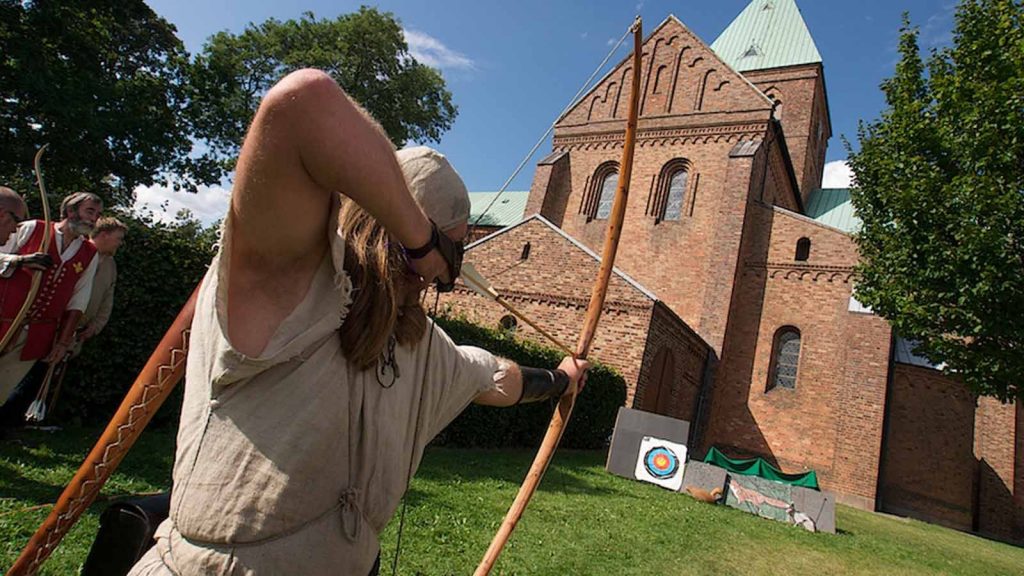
[
  {"x": 416, "y": 432},
  {"x": 572, "y": 103}
]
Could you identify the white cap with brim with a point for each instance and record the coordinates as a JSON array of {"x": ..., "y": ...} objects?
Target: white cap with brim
[{"x": 435, "y": 185}]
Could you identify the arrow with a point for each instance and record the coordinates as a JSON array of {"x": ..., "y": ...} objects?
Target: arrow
[{"x": 481, "y": 286}]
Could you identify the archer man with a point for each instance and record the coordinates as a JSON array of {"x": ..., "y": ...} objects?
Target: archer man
[
  {"x": 68, "y": 266},
  {"x": 314, "y": 378}
]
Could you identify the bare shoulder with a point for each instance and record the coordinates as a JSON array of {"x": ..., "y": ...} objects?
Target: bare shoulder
[{"x": 279, "y": 212}]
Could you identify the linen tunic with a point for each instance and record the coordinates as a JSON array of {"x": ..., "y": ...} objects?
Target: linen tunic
[{"x": 293, "y": 462}]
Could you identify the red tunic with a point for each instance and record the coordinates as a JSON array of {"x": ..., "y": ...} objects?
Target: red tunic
[{"x": 55, "y": 291}]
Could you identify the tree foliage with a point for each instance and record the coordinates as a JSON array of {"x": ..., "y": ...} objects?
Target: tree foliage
[
  {"x": 102, "y": 81},
  {"x": 940, "y": 189},
  {"x": 112, "y": 89},
  {"x": 365, "y": 52}
]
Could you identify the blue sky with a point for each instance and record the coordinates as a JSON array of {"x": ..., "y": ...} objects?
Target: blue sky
[{"x": 513, "y": 66}]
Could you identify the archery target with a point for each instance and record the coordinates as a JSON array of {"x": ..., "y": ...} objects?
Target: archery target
[{"x": 661, "y": 462}]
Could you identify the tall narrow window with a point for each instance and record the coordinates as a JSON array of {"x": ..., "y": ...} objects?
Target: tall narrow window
[
  {"x": 526, "y": 252},
  {"x": 668, "y": 198},
  {"x": 785, "y": 359},
  {"x": 803, "y": 249},
  {"x": 604, "y": 202},
  {"x": 600, "y": 191},
  {"x": 676, "y": 193}
]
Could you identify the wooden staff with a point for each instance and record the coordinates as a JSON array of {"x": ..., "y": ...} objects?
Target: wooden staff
[
  {"x": 597, "y": 297},
  {"x": 161, "y": 373}
]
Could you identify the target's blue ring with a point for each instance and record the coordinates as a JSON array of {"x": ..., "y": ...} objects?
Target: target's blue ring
[{"x": 659, "y": 468}]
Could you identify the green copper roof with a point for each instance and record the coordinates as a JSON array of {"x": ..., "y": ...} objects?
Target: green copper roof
[
  {"x": 767, "y": 34},
  {"x": 832, "y": 207},
  {"x": 506, "y": 211}
]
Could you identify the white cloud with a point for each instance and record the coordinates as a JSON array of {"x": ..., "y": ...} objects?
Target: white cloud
[
  {"x": 208, "y": 204},
  {"x": 611, "y": 41},
  {"x": 938, "y": 29},
  {"x": 432, "y": 52},
  {"x": 639, "y": 6},
  {"x": 837, "y": 174}
]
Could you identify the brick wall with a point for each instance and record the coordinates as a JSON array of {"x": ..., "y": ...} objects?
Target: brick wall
[
  {"x": 689, "y": 355},
  {"x": 552, "y": 287},
  {"x": 928, "y": 468},
  {"x": 861, "y": 405},
  {"x": 809, "y": 427},
  {"x": 996, "y": 444},
  {"x": 802, "y": 108},
  {"x": 679, "y": 75},
  {"x": 549, "y": 193}
]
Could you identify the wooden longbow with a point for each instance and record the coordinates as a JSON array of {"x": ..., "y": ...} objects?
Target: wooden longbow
[
  {"x": 611, "y": 243},
  {"x": 161, "y": 373}
]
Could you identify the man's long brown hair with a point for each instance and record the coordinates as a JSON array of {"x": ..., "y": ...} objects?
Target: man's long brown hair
[{"x": 380, "y": 281}]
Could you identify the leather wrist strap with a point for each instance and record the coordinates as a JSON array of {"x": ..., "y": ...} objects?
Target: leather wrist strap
[
  {"x": 540, "y": 384},
  {"x": 417, "y": 253}
]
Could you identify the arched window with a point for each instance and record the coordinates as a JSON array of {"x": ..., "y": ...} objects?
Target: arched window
[
  {"x": 803, "y": 249},
  {"x": 604, "y": 201},
  {"x": 785, "y": 359},
  {"x": 676, "y": 192},
  {"x": 597, "y": 202},
  {"x": 668, "y": 200}
]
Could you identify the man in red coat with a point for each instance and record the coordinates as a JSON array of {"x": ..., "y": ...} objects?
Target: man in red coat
[{"x": 70, "y": 265}]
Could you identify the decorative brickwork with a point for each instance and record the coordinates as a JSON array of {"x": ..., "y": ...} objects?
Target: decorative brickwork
[{"x": 552, "y": 286}]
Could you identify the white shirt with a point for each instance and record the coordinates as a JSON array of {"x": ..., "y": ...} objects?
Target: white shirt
[{"x": 83, "y": 288}]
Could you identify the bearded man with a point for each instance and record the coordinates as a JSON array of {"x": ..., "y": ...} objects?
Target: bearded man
[{"x": 68, "y": 266}]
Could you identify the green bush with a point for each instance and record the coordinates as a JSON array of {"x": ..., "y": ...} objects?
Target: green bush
[
  {"x": 157, "y": 268},
  {"x": 524, "y": 426}
]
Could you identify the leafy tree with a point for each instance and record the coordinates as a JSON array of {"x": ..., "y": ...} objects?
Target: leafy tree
[
  {"x": 365, "y": 52},
  {"x": 940, "y": 188},
  {"x": 102, "y": 81}
]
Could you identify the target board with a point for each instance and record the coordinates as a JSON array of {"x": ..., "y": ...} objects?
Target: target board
[{"x": 661, "y": 462}]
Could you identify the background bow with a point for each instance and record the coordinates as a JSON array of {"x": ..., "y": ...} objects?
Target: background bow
[{"x": 37, "y": 275}]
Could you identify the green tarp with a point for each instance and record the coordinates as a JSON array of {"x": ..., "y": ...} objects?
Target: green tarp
[{"x": 762, "y": 469}]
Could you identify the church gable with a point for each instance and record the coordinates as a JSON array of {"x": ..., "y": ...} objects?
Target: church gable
[
  {"x": 536, "y": 258},
  {"x": 680, "y": 75}
]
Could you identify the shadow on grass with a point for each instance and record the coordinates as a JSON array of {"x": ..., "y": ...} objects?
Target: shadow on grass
[
  {"x": 571, "y": 472},
  {"x": 29, "y": 459},
  {"x": 18, "y": 487}
]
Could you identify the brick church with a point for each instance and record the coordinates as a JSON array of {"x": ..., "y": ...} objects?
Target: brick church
[{"x": 732, "y": 303}]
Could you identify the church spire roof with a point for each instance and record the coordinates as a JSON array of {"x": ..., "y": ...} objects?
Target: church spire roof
[{"x": 767, "y": 34}]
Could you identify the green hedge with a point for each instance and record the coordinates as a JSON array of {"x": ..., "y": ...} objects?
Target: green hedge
[
  {"x": 524, "y": 426},
  {"x": 160, "y": 264}
]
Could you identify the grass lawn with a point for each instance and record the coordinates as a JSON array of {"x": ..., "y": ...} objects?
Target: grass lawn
[{"x": 581, "y": 521}]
